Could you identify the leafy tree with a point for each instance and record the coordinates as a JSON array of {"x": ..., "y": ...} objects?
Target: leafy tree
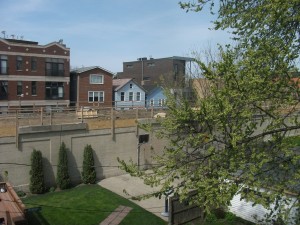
[
  {"x": 63, "y": 179},
  {"x": 36, "y": 173},
  {"x": 235, "y": 138},
  {"x": 88, "y": 169}
]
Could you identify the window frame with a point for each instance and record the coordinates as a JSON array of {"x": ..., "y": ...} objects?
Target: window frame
[
  {"x": 34, "y": 88},
  {"x": 3, "y": 61},
  {"x": 138, "y": 96},
  {"x": 96, "y": 75},
  {"x": 19, "y": 63},
  {"x": 122, "y": 96},
  {"x": 33, "y": 64},
  {"x": 100, "y": 96},
  {"x": 19, "y": 88},
  {"x": 130, "y": 96}
]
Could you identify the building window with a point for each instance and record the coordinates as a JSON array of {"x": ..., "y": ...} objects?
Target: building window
[
  {"x": 96, "y": 79},
  {"x": 54, "y": 67},
  {"x": 33, "y": 63},
  {"x": 150, "y": 64},
  {"x": 146, "y": 78},
  {"x": 3, "y": 90},
  {"x": 175, "y": 71},
  {"x": 122, "y": 96},
  {"x": 129, "y": 66},
  {"x": 33, "y": 87},
  {"x": 130, "y": 86},
  {"x": 151, "y": 102},
  {"x": 3, "y": 64},
  {"x": 138, "y": 96},
  {"x": 161, "y": 102},
  {"x": 19, "y": 88},
  {"x": 54, "y": 90},
  {"x": 130, "y": 98},
  {"x": 96, "y": 96},
  {"x": 19, "y": 63}
]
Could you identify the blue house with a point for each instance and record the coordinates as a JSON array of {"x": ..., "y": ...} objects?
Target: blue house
[
  {"x": 155, "y": 97},
  {"x": 128, "y": 94}
]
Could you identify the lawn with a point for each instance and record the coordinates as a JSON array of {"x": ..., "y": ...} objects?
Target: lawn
[{"x": 87, "y": 204}]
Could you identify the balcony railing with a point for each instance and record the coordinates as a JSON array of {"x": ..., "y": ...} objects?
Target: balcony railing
[{"x": 55, "y": 73}]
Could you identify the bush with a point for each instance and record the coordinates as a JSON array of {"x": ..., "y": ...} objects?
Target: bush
[
  {"x": 36, "y": 173},
  {"x": 63, "y": 179},
  {"x": 52, "y": 189},
  {"x": 88, "y": 169},
  {"x": 230, "y": 216},
  {"x": 21, "y": 194}
]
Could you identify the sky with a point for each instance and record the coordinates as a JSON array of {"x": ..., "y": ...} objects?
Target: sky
[{"x": 107, "y": 33}]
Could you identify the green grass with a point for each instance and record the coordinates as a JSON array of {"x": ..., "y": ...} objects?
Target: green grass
[{"x": 84, "y": 205}]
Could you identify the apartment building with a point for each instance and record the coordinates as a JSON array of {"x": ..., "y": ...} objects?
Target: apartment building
[
  {"x": 151, "y": 71},
  {"x": 33, "y": 75}
]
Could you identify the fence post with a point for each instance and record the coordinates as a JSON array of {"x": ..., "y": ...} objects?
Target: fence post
[
  {"x": 50, "y": 116},
  {"x": 42, "y": 115},
  {"x": 81, "y": 114},
  {"x": 112, "y": 119},
  {"x": 17, "y": 128}
]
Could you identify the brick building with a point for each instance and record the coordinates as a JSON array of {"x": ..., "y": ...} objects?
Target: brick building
[
  {"x": 149, "y": 71},
  {"x": 32, "y": 74},
  {"x": 91, "y": 86}
]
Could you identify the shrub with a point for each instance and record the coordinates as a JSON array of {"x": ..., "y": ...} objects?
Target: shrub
[
  {"x": 52, "y": 189},
  {"x": 21, "y": 194},
  {"x": 63, "y": 179},
  {"x": 36, "y": 173},
  {"x": 230, "y": 216},
  {"x": 88, "y": 170}
]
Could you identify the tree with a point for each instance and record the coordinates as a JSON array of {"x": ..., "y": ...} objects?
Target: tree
[
  {"x": 235, "y": 138},
  {"x": 36, "y": 173},
  {"x": 88, "y": 169},
  {"x": 63, "y": 179}
]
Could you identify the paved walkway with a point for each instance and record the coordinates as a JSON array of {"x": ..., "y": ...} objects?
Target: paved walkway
[
  {"x": 134, "y": 186},
  {"x": 117, "y": 216}
]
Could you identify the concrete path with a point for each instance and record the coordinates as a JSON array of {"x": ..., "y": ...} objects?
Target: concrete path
[
  {"x": 134, "y": 186},
  {"x": 117, "y": 216}
]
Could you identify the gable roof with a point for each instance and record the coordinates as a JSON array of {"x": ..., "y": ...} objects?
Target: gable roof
[
  {"x": 119, "y": 83},
  {"x": 85, "y": 69}
]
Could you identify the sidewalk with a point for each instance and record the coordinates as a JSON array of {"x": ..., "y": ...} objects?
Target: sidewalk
[{"x": 134, "y": 186}]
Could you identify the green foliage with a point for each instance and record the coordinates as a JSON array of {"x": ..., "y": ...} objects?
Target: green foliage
[
  {"x": 230, "y": 216},
  {"x": 36, "y": 173},
  {"x": 21, "y": 194},
  {"x": 234, "y": 137},
  {"x": 88, "y": 169},
  {"x": 63, "y": 179}
]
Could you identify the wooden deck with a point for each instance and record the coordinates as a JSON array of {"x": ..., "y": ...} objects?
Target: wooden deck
[{"x": 11, "y": 206}]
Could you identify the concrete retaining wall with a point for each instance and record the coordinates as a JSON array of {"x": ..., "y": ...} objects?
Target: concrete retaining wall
[{"x": 107, "y": 147}]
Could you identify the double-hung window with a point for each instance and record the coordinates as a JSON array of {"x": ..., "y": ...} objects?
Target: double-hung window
[
  {"x": 96, "y": 96},
  {"x": 122, "y": 96},
  {"x": 19, "y": 88},
  {"x": 138, "y": 96},
  {"x": 33, "y": 63},
  {"x": 130, "y": 96},
  {"x": 33, "y": 87},
  {"x": 19, "y": 63},
  {"x": 96, "y": 79},
  {"x": 3, "y": 64}
]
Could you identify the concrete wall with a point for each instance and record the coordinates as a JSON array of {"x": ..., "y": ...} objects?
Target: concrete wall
[{"x": 107, "y": 147}]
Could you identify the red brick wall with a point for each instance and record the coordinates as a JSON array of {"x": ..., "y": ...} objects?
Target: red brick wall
[{"x": 85, "y": 87}]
